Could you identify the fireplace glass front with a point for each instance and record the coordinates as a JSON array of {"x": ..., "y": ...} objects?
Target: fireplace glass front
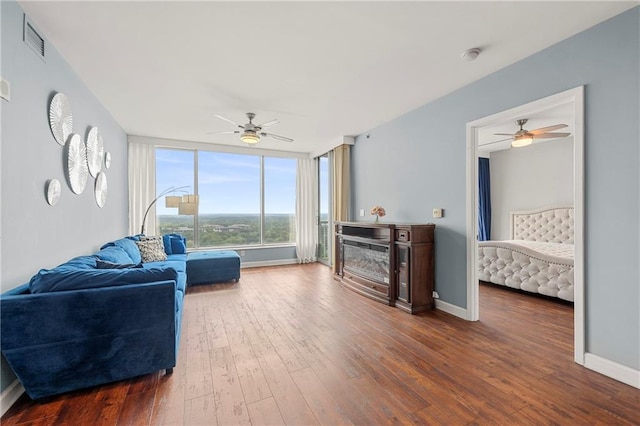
[{"x": 370, "y": 261}]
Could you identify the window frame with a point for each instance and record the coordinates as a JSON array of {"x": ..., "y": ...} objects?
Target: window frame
[{"x": 196, "y": 229}]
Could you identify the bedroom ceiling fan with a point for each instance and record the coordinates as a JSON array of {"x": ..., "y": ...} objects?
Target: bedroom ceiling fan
[
  {"x": 251, "y": 133},
  {"x": 524, "y": 137}
]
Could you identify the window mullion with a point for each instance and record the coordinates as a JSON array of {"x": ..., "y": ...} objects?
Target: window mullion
[
  {"x": 196, "y": 227},
  {"x": 262, "y": 224}
]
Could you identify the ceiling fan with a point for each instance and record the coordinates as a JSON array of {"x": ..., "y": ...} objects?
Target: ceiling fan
[
  {"x": 251, "y": 133},
  {"x": 524, "y": 137}
]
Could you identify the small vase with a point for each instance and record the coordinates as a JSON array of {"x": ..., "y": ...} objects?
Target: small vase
[{"x": 377, "y": 219}]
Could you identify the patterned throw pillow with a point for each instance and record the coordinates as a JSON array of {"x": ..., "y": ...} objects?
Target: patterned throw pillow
[{"x": 151, "y": 249}]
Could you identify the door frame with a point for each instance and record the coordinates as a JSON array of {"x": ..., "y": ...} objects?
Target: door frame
[{"x": 574, "y": 96}]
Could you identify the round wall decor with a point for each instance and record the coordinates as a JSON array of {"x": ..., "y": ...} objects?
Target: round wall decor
[
  {"x": 60, "y": 118},
  {"x": 100, "y": 190},
  {"x": 77, "y": 170},
  {"x": 53, "y": 190},
  {"x": 95, "y": 151},
  {"x": 107, "y": 160}
]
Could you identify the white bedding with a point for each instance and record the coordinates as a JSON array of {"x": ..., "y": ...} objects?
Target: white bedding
[{"x": 534, "y": 266}]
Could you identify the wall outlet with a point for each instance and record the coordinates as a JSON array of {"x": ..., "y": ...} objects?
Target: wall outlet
[
  {"x": 361, "y": 212},
  {"x": 242, "y": 252},
  {"x": 436, "y": 295},
  {"x": 437, "y": 212}
]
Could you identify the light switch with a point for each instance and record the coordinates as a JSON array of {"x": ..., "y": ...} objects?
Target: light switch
[
  {"x": 437, "y": 213},
  {"x": 361, "y": 212}
]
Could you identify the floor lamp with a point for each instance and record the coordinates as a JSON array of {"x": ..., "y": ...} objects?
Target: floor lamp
[{"x": 187, "y": 204}]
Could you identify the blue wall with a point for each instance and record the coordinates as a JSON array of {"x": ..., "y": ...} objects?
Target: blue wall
[
  {"x": 34, "y": 234},
  {"x": 418, "y": 162}
]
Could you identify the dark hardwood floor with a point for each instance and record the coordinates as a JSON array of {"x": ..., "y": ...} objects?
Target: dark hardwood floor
[{"x": 288, "y": 345}]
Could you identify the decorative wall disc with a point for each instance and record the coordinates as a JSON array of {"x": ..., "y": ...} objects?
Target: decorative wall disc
[
  {"x": 77, "y": 170},
  {"x": 53, "y": 190},
  {"x": 101, "y": 189},
  {"x": 107, "y": 160},
  {"x": 60, "y": 118},
  {"x": 95, "y": 151}
]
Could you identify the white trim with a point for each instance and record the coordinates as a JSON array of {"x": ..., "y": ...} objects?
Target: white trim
[
  {"x": 204, "y": 146},
  {"x": 334, "y": 143},
  {"x": 576, "y": 98},
  {"x": 620, "y": 372},
  {"x": 451, "y": 309},
  {"x": 261, "y": 263},
  {"x": 10, "y": 395}
]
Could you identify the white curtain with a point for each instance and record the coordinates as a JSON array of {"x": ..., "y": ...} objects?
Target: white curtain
[
  {"x": 142, "y": 187},
  {"x": 340, "y": 159},
  {"x": 306, "y": 200}
]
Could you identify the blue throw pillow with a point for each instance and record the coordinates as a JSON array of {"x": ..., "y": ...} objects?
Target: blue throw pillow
[
  {"x": 166, "y": 241},
  {"x": 114, "y": 254},
  {"x": 64, "y": 280},
  {"x": 178, "y": 246},
  {"x": 174, "y": 244}
]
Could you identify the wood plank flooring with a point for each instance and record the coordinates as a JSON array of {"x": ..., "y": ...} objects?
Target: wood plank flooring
[{"x": 288, "y": 345}]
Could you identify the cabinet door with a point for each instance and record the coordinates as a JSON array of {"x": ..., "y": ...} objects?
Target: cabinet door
[{"x": 402, "y": 261}]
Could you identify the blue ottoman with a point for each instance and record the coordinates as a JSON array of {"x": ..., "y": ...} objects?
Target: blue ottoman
[{"x": 205, "y": 267}]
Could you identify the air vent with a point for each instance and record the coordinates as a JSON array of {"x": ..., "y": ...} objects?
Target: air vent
[{"x": 32, "y": 38}]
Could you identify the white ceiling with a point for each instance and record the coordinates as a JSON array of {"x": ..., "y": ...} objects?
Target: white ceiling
[{"x": 324, "y": 69}]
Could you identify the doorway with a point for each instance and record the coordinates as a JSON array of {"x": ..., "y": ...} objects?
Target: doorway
[{"x": 574, "y": 99}]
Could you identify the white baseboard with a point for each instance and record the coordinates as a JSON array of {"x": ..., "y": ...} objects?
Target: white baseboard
[
  {"x": 279, "y": 262},
  {"x": 620, "y": 372},
  {"x": 451, "y": 309},
  {"x": 10, "y": 395}
]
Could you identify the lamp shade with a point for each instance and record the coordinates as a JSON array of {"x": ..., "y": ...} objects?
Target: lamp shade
[
  {"x": 190, "y": 198},
  {"x": 188, "y": 205},
  {"x": 250, "y": 137},
  {"x": 522, "y": 141},
  {"x": 172, "y": 200},
  {"x": 188, "y": 208}
]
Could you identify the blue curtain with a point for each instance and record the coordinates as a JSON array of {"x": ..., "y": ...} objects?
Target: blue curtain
[{"x": 484, "y": 200}]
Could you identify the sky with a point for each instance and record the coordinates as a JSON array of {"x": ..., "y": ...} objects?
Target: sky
[{"x": 227, "y": 183}]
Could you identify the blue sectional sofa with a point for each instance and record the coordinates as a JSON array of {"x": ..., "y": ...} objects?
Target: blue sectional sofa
[{"x": 95, "y": 319}]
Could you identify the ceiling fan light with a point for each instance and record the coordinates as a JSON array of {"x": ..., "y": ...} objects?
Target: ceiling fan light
[
  {"x": 519, "y": 142},
  {"x": 250, "y": 138}
]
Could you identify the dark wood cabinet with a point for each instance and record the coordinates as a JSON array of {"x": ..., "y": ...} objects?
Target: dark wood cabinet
[{"x": 390, "y": 263}]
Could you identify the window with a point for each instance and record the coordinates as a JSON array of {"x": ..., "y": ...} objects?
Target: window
[
  {"x": 279, "y": 200},
  {"x": 229, "y": 189},
  {"x": 174, "y": 168},
  {"x": 244, "y": 200}
]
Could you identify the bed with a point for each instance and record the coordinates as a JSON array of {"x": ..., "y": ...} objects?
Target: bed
[{"x": 539, "y": 256}]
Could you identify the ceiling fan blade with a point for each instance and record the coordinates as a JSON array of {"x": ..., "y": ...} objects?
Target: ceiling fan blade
[
  {"x": 280, "y": 138},
  {"x": 504, "y": 134},
  {"x": 224, "y": 133},
  {"x": 551, "y": 135},
  {"x": 548, "y": 129},
  {"x": 270, "y": 123},
  {"x": 491, "y": 143},
  {"x": 226, "y": 119}
]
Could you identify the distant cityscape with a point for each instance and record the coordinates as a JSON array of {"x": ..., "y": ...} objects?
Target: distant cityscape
[{"x": 220, "y": 230}]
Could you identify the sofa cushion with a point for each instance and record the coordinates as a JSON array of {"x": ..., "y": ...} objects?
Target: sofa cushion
[
  {"x": 131, "y": 248},
  {"x": 81, "y": 262},
  {"x": 64, "y": 279},
  {"x": 151, "y": 249},
  {"x": 114, "y": 254}
]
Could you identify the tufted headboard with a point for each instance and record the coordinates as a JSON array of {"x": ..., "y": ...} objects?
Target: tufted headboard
[{"x": 551, "y": 225}]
